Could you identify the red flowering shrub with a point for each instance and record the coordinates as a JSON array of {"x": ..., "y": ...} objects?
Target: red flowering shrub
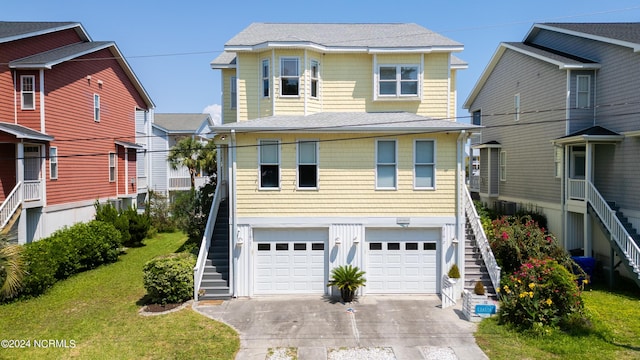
[{"x": 541, "y": 293}]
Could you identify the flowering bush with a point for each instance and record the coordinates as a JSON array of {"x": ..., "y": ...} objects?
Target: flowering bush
[
  {"x": 516, "y": 240},
  {"x": 541, "y": 293}
]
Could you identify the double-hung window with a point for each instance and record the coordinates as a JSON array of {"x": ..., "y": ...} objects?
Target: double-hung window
[
  {"x": 28, "y": 92},
  {"x": 112, "y": 167},
  {"x": 583, "y": 97},
  {"x": 53, "y": 163},
  {"x": 265, "y": 78},
  {"x": 315, "y": 77},
  {"x": 307, "y": 164},
  {"x": 96, "y": 107},
  {"x": 269, "y": 158},
  {"x": 503, "y": 166},
  {"x": 386, "y": 164},
  {"x": 289, "y": 77},
  {"x": 424, "y": 164},
  {"x": 233, "y": 87},
  {"x": 398, "y": 80}
]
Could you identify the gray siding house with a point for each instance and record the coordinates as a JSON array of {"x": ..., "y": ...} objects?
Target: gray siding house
[{"x": 561, "y": 133}]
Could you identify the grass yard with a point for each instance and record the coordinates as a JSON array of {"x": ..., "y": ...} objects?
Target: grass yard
[
  {"x": 96, "y": 313},
  {"x": 616, "y": 333}
]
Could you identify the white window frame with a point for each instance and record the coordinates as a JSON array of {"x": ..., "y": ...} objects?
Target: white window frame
[
  {"x": 398, "y": 82},
  {"x": 113, "y": 161},
  {"x": 516, "y": 107},
  {"x": 395, "y": 165},
  {"x": 297, "y": 76},
  {"x": 315, "y": 79},
  {"x": 233, "y": 91},
  {"x": 316, "y": 143},
  {"x": 586, "y": 78},
  {"x": 503, "y": 166},
  {"x": 558, "y": 156},
  {"x": 416, "y": 164},
  {"x": 96, "y": 107},
  {"x": 53, "y": 163},
  {"x": 26, "y": 92},
  {"x": 262, "y": 142},
  {"x": 265, "y": 74}
]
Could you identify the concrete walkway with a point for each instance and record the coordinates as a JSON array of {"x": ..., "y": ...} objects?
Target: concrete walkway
[{"x": 410, "y": 325}]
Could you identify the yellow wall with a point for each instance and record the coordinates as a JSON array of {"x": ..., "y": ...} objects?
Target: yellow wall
[
  {"x": 228, "y": 114},
  {"x": 346, "y": 85},
  {"x": 346, "y": 179}
]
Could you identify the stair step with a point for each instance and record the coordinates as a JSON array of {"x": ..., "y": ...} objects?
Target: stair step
[
  {"x": 214, "y": 283},
  {"x": 217, "y": 291},
  {"x": 213, "y": 276}
]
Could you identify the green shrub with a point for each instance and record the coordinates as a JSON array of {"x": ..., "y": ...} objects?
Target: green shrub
[
  {"x": 168, "y": 279},
  {"x": 108, "y": 213},
  {"x": 454, "y": 272},
  {"x": 66, "y": 252},
  {"x": 478, "y": 289},
  {"x": 139, "y": 225},
  {"x": 541, "y": 293},
  {"x": 190, "y": 210},
  {"x": 158, "y": 211}
]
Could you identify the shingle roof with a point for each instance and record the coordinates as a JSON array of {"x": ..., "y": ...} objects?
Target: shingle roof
[
  {"x": 56, "y": 56},
  {"x": 225, "y": 59},
  {"x": 180, "y": 122},
  {"x": 346, "y": 122},
  {"x": 561, "y": 59},
  {"x": 13, "y": 30},
  {"x": 341, "y": 36},
  {"x": 22, "y": 132},
  {"x": 593, "y": 131},
  {"x": 629, "y": 32}
]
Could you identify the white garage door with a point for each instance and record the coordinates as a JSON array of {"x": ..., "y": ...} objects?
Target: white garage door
[
  {"x": 290, "y": 261},
  {"x": 402, "y": 261}
]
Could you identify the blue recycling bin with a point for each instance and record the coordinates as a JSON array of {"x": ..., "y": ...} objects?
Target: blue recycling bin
[{"x": 586, "y": 263}]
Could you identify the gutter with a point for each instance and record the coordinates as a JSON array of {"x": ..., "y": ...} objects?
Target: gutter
[{"x": 233, "y": 226}]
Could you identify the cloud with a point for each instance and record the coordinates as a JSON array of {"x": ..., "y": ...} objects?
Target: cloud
[{"x": 215, "y": 111}]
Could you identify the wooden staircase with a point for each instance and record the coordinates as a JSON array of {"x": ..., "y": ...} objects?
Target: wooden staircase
[
  {"x": 215, "y": 280},
  {"x": 474, "y": 266}
]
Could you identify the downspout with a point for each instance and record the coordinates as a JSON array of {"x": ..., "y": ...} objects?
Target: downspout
[
  {"x": 567, "y": 106},
  {"x": 42, "y": 101},
  {"x": 232, "y": 214},
  {"x": 459, "y": 203}
]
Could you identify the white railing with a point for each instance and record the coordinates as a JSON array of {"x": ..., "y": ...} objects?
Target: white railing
[
  {"x": 198, "y": 270},
  {"x": 31, "y": 190},
  {"x": 10, "y": 204},
  {"x": 448, "y": 292},
  {"x": 142, "y": 182},
  {"x": 474, "y": 182},
  {"x": 576, "y": 189},
  {"x": 614, "y": 226},
  {"x": 185, "y": 183},
  {"x": 481, "y": 240}
]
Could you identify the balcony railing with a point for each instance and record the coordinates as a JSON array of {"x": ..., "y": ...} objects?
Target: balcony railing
[
  {"x": 474, "y": 183},
  {"x": 32, "y": 190},
  {"x": 576, "y": 189}
]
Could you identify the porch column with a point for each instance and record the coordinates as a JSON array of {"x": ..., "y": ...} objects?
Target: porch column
[{"x": 588, "y": 175}]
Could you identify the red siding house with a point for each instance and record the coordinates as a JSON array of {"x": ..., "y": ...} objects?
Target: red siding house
[{"x": 68, "y": 106}]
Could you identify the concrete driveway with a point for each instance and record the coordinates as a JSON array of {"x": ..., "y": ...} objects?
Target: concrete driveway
[{"x": 412, "y": 326}]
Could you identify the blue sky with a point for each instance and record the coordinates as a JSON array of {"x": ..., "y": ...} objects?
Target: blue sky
[{"x": 170, "y": 46}]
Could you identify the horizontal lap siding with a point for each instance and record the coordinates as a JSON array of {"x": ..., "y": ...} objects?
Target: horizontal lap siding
[
  {"x": 7, "y": 170},
  {"x": 229, "y": 115},
  {"x": 527, "y": 142},
  {"x": 346, "y": 82},
  {"x": 19, "y": 49},
  {"x": 83, "y": 144},
  {"x": 347, "y": 180}
]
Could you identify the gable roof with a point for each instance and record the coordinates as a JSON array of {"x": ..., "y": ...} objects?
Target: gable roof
[
  {"x": 623, "y": 34},
  {"x": 337, "y": 122},
  {"x": 16, "y": 30},
  {"x": 562, "y": 60},
  {"x": 348, "y": 37},
  {"x": 48, "y": 59},
  {"x": 182, "y": 123}
]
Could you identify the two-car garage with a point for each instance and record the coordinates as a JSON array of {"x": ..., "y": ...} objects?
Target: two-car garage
[{"x": 296, "y": 261}]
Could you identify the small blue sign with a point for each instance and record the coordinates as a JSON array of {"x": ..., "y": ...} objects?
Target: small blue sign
[{"x": 485, "y": 310}]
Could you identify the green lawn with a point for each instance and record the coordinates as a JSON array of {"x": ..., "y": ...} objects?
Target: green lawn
[
  {"x": 98, "y": 310},
  {"x": 615, "y": 334}
]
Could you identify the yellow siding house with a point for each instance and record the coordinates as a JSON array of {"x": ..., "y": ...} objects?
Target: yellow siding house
[{"x": 340, "y": 145}]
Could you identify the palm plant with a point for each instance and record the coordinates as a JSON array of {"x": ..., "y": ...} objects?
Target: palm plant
[
  {"x": 348, "y": 279},
  {"x": 193, "y": 155},
  {"x": 11, "y": 269}
]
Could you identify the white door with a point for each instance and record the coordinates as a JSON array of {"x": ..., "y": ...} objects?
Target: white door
[
  {"x": 291, "y": 261},
  {"x": 402, "y": 261}
]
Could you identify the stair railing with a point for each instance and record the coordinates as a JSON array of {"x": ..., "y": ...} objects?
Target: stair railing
[
  {"x": 198, "y": 270},
  {"x": 10, "y": 205},
  {"x": 482, "y": 242},
  {"x": 619, "y": 234},
  {"x": 447, "y": 293}
]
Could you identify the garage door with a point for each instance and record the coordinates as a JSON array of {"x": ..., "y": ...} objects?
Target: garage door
[
  {"x": 402, "y": 261},
  {"x": 290, "y": 261}
]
